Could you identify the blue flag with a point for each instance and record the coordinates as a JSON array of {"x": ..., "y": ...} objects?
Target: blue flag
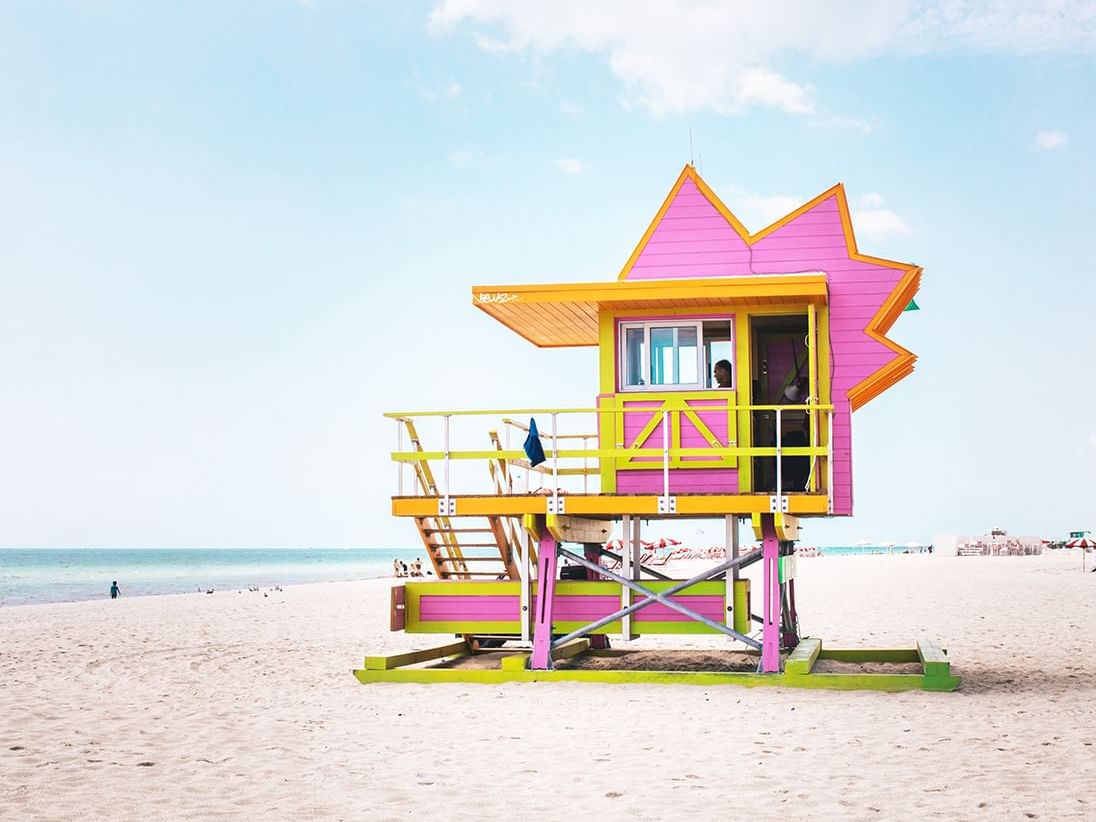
[{"x": 533, "y": 449}]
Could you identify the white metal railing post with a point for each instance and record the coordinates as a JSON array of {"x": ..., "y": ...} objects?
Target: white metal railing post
[
  {"x": 626, "y": 571},
  {"x": 446, "y": 449},
  {"x": 666, "y": 454},
  {"x": 813, "y": 417},
  {"x": 399, "y": 463},
  {"x": 779, "y": 459},
  {"x": 506, "y": 443},
  {"x": 585, "y": 465},
  {"x": 555, "y": 461},
  {"x": 829, "y": 461},
  {"x": 525, "y": 543}
]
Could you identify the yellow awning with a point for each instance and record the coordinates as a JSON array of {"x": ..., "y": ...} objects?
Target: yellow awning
[{"x": 566, "y": 315}]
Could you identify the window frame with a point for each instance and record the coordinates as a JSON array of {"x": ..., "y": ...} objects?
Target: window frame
[{"x": 697, "y": 323}]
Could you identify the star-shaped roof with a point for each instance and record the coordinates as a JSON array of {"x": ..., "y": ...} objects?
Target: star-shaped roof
[{"x": 694, "y": 235}]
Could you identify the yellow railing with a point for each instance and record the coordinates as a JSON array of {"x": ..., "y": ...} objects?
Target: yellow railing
[{"x": 819, "y": 423}]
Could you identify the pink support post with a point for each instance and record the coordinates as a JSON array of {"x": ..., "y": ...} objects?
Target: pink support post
[
  {"x": 770, "y": 637},
  {"x": 546, "y": 592}
]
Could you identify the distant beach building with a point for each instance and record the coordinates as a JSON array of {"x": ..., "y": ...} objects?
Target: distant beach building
[{"x": 998, "y": 543}]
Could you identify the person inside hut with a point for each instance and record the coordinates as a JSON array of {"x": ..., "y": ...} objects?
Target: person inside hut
[
  {"x": 796, "y": 470},
  {"x": 722, "y": 374}
]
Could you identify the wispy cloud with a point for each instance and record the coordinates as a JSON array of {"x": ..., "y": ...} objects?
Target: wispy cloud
[
  {"x": 870, "y": 216},
  {"x": 685, "y": 55},
  {"x": 570, "y": 165},
  {"x": 1050, "y": 140},
  {"x": 459, "y": 158},
  {"x": 448, "y": 91},
  {"x": 844, "y": 123},
  {"x": 566, "y": 107},
  {"x": 755, "y": 211}
]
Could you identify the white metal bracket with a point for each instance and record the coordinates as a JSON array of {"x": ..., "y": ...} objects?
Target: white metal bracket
[
  {"x": 778, "y": 504},
  {"x": 447, "y": 507},
  {"x": 556, "y": 505},
  {"x": 667, "y": 505}
]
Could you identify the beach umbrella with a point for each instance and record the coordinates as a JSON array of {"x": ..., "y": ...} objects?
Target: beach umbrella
[
  {"x": 1085, "y": 544},
  {"x": 663, "y": 542}
]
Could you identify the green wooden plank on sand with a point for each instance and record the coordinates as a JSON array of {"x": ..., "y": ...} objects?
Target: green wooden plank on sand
[{"x": 801, "y": 660}]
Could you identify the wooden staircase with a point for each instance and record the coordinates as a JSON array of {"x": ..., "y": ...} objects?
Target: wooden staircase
[{"x": 464, "y": 547}]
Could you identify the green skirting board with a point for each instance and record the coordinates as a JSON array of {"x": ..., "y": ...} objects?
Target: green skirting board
[{"x": 799, "y": 669}]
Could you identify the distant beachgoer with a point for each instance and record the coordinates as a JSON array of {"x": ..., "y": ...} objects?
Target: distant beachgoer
[
  {"x": 403, "y": 567},
  {"x": 114, "y": 590},
  {"x": 416, "y": 568},
  {"x": 396, "y": 568}
]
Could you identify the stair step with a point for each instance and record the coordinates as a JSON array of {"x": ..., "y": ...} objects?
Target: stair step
[
  {"x": 469, "y": 559},
  {"x": 457, "y": 530},
  {"x": 463, "y": 545}
]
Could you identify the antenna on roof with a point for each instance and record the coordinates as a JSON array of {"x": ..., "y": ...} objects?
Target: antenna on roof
[{"x": 691, "y": 146}]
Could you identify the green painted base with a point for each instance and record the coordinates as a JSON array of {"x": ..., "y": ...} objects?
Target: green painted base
[{"x": 798, "y": 670}]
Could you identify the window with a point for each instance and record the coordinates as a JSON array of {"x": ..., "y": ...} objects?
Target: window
[
  {"x": 669, "y": 354},
  {"x": 717, "y": 346}
]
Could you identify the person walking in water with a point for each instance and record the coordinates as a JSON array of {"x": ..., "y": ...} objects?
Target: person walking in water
[{"x": 114, "y": 591}]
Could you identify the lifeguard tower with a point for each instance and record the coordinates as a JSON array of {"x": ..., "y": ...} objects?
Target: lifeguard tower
[{"x": 729, "y": 367}]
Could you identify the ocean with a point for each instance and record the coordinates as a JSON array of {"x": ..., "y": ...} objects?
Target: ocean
[{"x": 29, "y": 576}]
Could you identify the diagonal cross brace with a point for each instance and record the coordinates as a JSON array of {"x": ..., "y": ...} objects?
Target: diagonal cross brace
[{"x": 663, "y": 597}]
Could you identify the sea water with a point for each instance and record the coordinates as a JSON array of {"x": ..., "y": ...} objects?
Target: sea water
[{"x": 30, "y": 576}]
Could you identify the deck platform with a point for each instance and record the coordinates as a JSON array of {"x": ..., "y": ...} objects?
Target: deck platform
[{"x": 809, "y": 665}]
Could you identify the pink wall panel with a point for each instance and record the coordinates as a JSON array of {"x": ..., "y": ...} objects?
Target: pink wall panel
[
  {"x": 691, "y": 218},
  {"x": 434, "y": 608},
  {"x": 590, "y": 608},
  {"x": 583, "y": 608},
  {"x": 709, "y": 606},
  {"x": 682, "y": 481}
]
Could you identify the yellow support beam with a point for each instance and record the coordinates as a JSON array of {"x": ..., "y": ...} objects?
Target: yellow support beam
[{"x": 610, "y": 505}]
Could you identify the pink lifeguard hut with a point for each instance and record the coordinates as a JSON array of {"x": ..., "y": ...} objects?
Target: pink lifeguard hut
[{"x": 729, "y": 367}]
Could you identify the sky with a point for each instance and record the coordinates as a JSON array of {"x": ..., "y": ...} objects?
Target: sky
[{"x": 234, "y": 234}]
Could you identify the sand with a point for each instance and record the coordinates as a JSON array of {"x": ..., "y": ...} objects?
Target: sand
[{"x": 237, "y": 705}]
